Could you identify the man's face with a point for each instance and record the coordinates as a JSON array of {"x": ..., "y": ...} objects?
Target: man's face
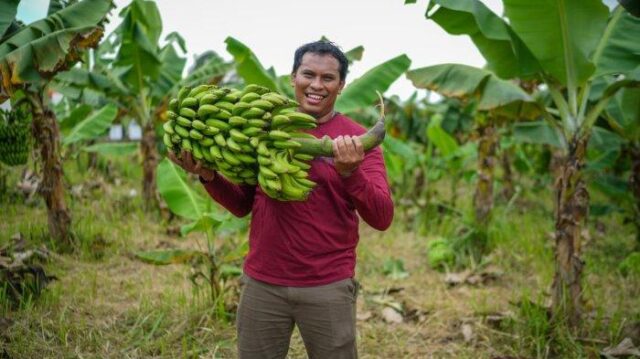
[{"x": 317, "y": 83}]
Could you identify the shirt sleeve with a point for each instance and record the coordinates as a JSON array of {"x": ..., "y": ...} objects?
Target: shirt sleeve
[
  {"x": 369, "y": 191},
  {"x": 237, "y": 199}
]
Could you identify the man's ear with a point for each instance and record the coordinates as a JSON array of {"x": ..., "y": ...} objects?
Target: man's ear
[
  {"x": 292, "y": 79},
  {"x": 341, "y": 86}
]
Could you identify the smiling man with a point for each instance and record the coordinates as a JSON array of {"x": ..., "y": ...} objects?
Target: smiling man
[
  {"x": 302, "y": 255},
  {"x": 300, "y": 269}
]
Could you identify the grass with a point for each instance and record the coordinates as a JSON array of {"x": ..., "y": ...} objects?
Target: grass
[{"x": 108, "y": 304}]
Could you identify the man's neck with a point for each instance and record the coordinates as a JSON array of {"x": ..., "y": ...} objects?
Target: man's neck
[{"x": 326, "y": 117}]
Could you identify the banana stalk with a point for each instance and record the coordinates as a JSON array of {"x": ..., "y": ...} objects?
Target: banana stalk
[{"x": 324, "y": 146}]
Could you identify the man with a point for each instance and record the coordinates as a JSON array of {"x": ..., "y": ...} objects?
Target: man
[{"x": 300, "y": 266}]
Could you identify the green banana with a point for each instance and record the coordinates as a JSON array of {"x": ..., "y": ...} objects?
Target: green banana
[
  {"x": 198, "y": 125},
  {"x": 217, "y": 124},
  {"x": 183, "y": 121},
  {"x": 187, "y": 112},
  {"x": 188, "y": 102},
  {"x": 168, "y": 127},
  {"x": 183, "y": 132},
  {"x": 237, "y": 121},
  {"x": 230, "y": 157},
  {"x": 195, "y": 134},
  {"x": 249, "y": 97},
  {"x": 238, "y": 136},
  {"x": 262, "y": 104}
]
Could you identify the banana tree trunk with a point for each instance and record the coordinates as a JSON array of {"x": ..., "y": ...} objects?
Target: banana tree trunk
[
  {"x": 634, "y": 185},
  {"x": 572, "y": 201},
  {"x": 483, "y": 197},
  {"x": 47, "y": 135},
  {"x": 150, "y": 159}
]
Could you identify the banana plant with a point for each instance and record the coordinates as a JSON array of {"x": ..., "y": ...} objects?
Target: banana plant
[
  {"x": 623, "y": 116},
  {"x": 184, "y": 200},
  {"x": 29, "y": 57},
  {"x": 496, "y": 101},
  {"x": 138, "y": 75},
  {"x": 567, "y": 45}
]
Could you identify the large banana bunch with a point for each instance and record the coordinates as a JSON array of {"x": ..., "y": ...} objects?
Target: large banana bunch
[
  {"x": 15, "y": 138},
  {"x": 249, "y": 136},
  {"x": 252, "y": 136}
]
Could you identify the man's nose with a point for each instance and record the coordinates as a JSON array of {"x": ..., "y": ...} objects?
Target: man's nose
[{"x": 316, "y": 83}]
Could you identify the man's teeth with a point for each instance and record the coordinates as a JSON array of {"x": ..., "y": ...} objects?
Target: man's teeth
[{"x": 315, "y": 97}]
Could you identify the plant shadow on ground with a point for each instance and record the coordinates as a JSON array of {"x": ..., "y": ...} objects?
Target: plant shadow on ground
[{"x": 108, "y": 304}]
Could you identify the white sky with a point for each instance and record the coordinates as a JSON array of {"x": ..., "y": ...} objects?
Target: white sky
[{"x": 273, "y": 29}]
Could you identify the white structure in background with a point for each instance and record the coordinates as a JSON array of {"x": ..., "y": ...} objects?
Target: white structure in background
[
  {"x": 115, "y": 132},
  {"x": 134, "y": 131}
]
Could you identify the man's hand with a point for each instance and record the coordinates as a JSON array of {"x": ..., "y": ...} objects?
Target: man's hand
[
  {"x": 191, "y": 165},
  {"x": 348, "y": 154}
]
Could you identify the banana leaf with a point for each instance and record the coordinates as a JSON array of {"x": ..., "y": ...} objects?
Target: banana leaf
[
  {"x": 8, "y": 11},
  {"x": 78, "y": 114},
  {"x": 211, "y": 70},
  {"x": 354, "y": 54},
  {"x": 171, "y": 70},
  {"x": 611, "y": 186},
  {"x": 506, "y": 54},
  {"x": 443, "y": 141},
  {"x": 537, "y": 132},
  {"x": 362, "y": 91},
  {"x": 493, "y": 94},
  {"x": 562, "y": 35},
  {"x": 140, "y": 31},
  {"x": 171, "y": 256},
  {"x": 93, "y": 126},
  {"x": 248, "y": 66},
  {"x": 105, "y": 82},
  {"x": 113, "y": 149},
  {"x": 45, "y": 47},
  {"x": 205, "y": 222},
  {"x": 181, "y": 198},
  {"x": 632, "y": 6},
  {"x": 605, "y": 140},
  {"x": 401, "y": 149},
  {"x": 623, "y": 113},
  {"x": 620, "y": 47}
]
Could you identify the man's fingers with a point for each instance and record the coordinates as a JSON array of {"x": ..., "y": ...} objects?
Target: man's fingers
[
  {"x": 358, "y": 144},
  {"x": 338, "y": 145}
]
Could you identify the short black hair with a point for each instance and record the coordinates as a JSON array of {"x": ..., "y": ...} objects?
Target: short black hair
[{"x": 322, "y": 47}]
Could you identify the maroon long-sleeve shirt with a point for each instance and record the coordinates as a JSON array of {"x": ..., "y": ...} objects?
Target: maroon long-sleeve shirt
[{"x": 312, "y": 242}]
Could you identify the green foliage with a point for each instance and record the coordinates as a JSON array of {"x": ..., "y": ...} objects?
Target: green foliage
[
  {"x": 440, "y": 253},
  {"x": 93, "y": 126},
  {"x": 181, "y": 198},
  {"x": 50, "y": 45},
  {"x": 361, "y": 92},
  {"x": 394, "y": 269},
  {"x": 630, "y": 266},
  {"x": 505, "y": 53},
  {"x": 114, "y": 149},
  {"x": 248, "y": 66},
  {"x": 171, "y": 256}
]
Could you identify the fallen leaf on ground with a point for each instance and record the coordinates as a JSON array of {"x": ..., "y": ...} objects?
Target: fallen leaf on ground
[
  {"x": 625, "y": 348},
  {"x": 391, "y": 316}
]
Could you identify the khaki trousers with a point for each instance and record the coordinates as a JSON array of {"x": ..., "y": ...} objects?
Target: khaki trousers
[{"x": 325, "y": 316}]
